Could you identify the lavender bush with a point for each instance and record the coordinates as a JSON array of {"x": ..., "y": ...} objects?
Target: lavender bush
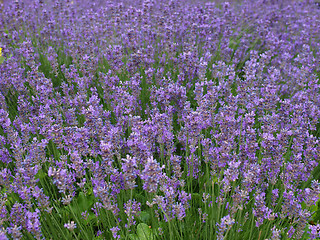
[{"x": 159, "y": 119}]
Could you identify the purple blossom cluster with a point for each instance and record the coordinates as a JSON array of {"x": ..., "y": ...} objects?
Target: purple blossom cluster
[{"x": 141, "y": 106}]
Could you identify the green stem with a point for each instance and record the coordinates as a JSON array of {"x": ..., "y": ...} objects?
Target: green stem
[
  {"x": 252, "y": 226},
  {"x": 77, "y": 220}
]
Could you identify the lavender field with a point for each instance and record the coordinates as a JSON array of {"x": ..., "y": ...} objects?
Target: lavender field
[{"x": 159, "y": 119}]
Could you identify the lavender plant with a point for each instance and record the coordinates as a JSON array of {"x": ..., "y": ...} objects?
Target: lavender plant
[{"x": 159, "y": 119}]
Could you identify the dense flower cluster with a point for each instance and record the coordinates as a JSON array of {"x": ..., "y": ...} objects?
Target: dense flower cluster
[{"x": 199, "y": 118}]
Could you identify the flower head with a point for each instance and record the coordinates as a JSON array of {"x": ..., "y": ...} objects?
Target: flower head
[
  {"x": 151, "y": 175},
  {"x": 115, "y": 231},
  {"x": 70, "y": 225}
]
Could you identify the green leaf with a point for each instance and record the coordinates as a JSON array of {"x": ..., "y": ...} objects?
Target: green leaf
[
  {"x": 133, "y": 237},
  {"x": 144, "y": 217},
  {"x": 41, "y": 174},
  {"x": 98, "y": 238},
  {"x": 144, "y": 232},
  {"x": 85, "y": 202}
]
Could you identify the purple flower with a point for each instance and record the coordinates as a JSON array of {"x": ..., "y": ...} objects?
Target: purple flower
[
  {"x": 15, "y": 232},
  {"x": 260, "y": 210},
  {"x": 3, "y": 234},
  {"x": 314, "y": 231},
  {"x": 99, "y": 232},
  {"x": 224, "y": 225},
  {"x": 130, "y": 172},
  {"x": 276, "y": 234},
  {"x": 33, "y": 223},
  {"x": 179, "y": 210},
  {"x": 151, "y": 175},
  {"x": 70, "y": 225},
  {"x": 291, "y": 232},
  {"x": 115, "y": 231},
  {"x": 132, "y": 209}
]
